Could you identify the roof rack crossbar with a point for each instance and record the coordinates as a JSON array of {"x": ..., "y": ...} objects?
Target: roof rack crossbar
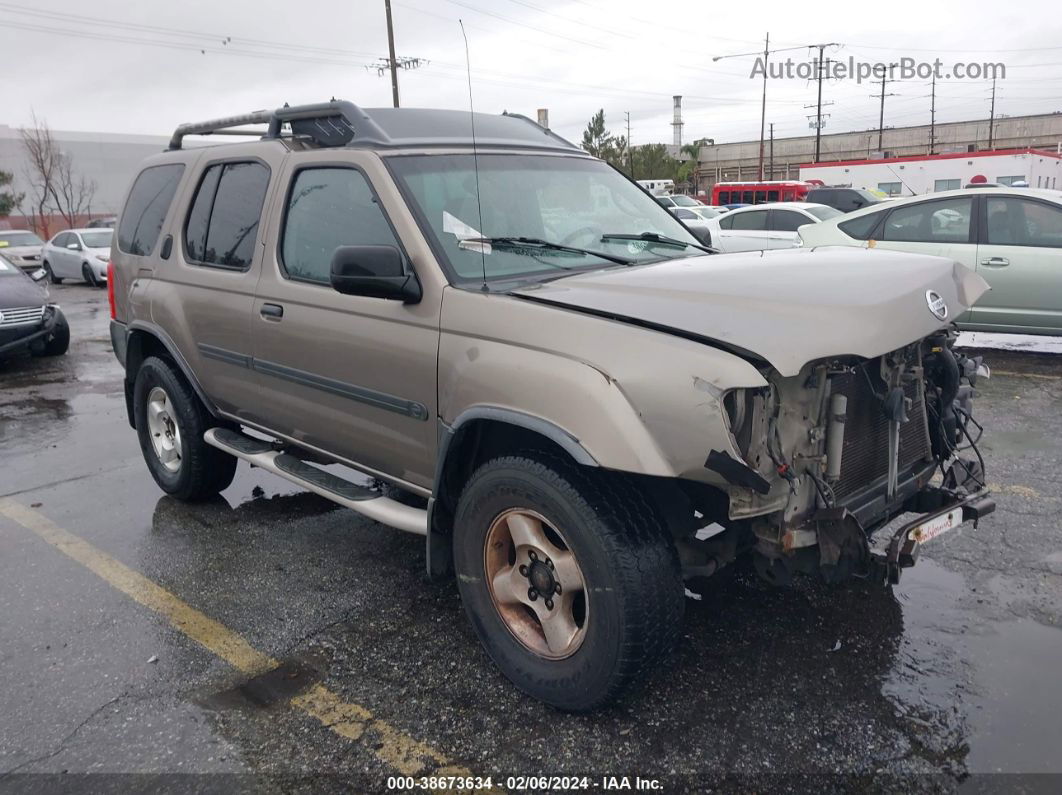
[
  {"x": 329, "y": 123},
  {"x": 216, "y": 125}
]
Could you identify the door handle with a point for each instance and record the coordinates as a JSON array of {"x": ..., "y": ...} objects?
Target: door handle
[
  {"x": 272, "y": 311},
  {"x": 995, "y": 262}
]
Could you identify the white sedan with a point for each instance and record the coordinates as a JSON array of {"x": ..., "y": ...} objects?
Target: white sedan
[
  {"x": 765, "y": 226},
  {"x": 79, "y": 254}
]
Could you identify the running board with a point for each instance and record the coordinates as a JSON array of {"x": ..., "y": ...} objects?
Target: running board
[{"x": 358, "y": 498}]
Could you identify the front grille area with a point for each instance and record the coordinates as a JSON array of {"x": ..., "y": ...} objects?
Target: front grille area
[
  {"x": 865, "y": 457},
  {"x": 25, "y": 315}
]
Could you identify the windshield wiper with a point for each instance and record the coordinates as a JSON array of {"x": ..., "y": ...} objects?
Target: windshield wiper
[
  {"x": 653, "y": 237},
  {"x": 517, "y": 242}
]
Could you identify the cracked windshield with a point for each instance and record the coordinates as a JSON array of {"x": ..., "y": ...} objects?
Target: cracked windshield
[{"x": 577, "y": 204}]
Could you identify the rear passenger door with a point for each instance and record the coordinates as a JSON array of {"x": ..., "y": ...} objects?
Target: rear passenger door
[
  {"x": 782, "y": 228},
  {"x": 1020, "y": 256},
  {"x": 352, "y": 375},
  {"x": 744, "y": 231},
  {"x": 204, "y": 294}
]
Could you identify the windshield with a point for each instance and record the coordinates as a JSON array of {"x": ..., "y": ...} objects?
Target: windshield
[
  {"x": 19, "y": 239},
  {"x": 572, "y": 201},
  {"x": 100, "y": 239},
  {"x": 823, "y": 213},
  {"x": 6, "y": 268}
]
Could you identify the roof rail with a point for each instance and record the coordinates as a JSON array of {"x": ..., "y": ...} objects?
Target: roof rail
[{"x": 334, "y": 123}]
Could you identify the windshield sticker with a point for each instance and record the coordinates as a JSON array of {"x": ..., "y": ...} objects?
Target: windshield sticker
[{"x": 467, "y": 238}]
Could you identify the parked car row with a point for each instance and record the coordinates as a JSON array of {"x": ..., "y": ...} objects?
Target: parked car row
[{"x": 74, "y": 254}]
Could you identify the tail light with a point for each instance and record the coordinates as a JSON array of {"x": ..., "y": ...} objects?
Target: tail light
[{"x": 110, "y": 289}]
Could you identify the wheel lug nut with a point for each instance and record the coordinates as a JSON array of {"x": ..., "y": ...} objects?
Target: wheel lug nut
[
  {"x": 523, "y": 571},
  {"x": 549, "y": 604},
  {"x": 532, "y": 554},
  {"x": 549, "y": 563},
  {"x": 532, "y": 594},
  {"x": 557, "y": 589}
]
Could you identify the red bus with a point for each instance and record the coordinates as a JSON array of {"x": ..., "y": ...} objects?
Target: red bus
[{"x": 759, "y": 192}]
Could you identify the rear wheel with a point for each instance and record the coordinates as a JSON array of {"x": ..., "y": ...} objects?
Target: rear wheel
[
  {"x": 88, "y": 275},
  {"x": 170, "y": 423},
  {"x": 571, "y": 583}
]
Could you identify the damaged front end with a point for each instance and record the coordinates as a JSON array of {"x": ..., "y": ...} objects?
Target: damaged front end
[{"x": 836, "y": 452}]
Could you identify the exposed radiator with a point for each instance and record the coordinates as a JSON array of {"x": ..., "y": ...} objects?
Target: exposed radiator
[{"x": 865, "y": 458}]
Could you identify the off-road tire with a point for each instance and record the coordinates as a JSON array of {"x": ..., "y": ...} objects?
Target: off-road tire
[
  {"x": 51, "y": 274},
  {"x": 627, "y": 558},
  {"x": 60, "y": 341},
  {"x": 204, "y": 470}
]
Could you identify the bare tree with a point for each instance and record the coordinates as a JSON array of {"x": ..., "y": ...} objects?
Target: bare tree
[
  {"x": 54, "y": 184},
  {"x": 42, "y": 169},
  {"x": 72, "y": 193}
]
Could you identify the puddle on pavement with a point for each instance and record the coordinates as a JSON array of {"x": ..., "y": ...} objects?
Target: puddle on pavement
[{"x": 978, "y": 696}]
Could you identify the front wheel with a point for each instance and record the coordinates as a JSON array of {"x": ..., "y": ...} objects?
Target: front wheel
[
  {"x": 59, "y": 340},
  {"x": 88, "y": 275},
  {"x": 170, "y": 423},
  {"x": 51, "y": 274},
  {"x": 570, "y": 581}
]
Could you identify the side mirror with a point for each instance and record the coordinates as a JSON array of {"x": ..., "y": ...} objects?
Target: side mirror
[
  {"x": 73, "y": 246},
  {"x": 375, "y": 272}
]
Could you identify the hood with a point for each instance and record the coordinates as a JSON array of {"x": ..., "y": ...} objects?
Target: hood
[
  {"x": 18, "y": 290},
  {"x": 21, "y": 251},
  {"x": 786, "y": 307}
]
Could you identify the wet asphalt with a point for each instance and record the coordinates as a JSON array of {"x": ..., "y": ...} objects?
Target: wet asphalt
[{"x": 934, "y": 684}]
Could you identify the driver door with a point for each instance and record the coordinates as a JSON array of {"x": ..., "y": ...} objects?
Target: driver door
[{"x": 352, "y": 375}]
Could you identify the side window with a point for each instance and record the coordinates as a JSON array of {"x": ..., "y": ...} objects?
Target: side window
[
  {"x": 145, "y": 210},
  {"x": 947, "y": 184},
  {"x": 890, "y": 188},
  {"x": 724, "y": 197},
  {"x": 861, "y": 228},
  {"x": 787, "y": 220},
  {"x": 755, "y": 221},
  {"x": 772, "y": 195},
  {"x": 223, "y": 221},
  {"x": 61, "y": 240},
  {"x": 1021, "y": 222},
  {"x": 946, "y": 221},
  {"x": 726, "y": 222},
  {"x": 685, "y": 215},
  {"x": 328, "y": 208}
]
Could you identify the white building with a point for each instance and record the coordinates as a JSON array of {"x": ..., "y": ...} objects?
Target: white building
[{"x": 911, "y": 176}]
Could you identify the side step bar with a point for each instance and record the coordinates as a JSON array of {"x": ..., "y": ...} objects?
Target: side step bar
[{"x": 350, "y": 495}]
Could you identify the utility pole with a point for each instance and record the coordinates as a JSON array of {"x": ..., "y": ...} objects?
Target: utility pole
[
  {"x": 630, "y": 154},
  {"x": 882, "y": 95},
  {"x": 392, "y": 61},
  {"x": 770, "y": 168},
  {"x": 763, "y": 103},
  {"x": 933, "y": 115},
  {"x": 992, "y": 114},
  {"x": 766, "y": 54},
  {"x": 818, "y": 124}
]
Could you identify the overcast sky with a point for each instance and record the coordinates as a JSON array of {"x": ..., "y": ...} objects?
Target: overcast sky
[{"x": 143, "y": 67}]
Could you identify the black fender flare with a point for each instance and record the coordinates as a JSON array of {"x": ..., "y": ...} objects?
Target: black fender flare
[
  {"x": 438, "y": 542},
  {"x": 133, "y": 355}
]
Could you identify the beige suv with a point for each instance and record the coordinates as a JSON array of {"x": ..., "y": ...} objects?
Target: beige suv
[{"x": 551, "y": 379}]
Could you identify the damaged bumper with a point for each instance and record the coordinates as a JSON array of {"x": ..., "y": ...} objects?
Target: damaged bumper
[{"x": 946, "y": 510}]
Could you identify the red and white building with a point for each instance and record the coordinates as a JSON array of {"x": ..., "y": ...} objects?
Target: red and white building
[{"x": 916, "y": 175}]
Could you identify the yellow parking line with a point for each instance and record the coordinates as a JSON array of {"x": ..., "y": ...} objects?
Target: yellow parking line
[{"x": 354, "y": 722}]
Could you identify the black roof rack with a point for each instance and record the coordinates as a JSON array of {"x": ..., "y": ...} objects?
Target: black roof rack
[{"x": 342, "y": 123}]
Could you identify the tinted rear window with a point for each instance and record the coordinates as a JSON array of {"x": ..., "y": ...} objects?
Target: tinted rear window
[
  {"x": 145, "y": 210},
  {"x": 861, "y": 228},
  {"x": 223, "y": 222}
]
